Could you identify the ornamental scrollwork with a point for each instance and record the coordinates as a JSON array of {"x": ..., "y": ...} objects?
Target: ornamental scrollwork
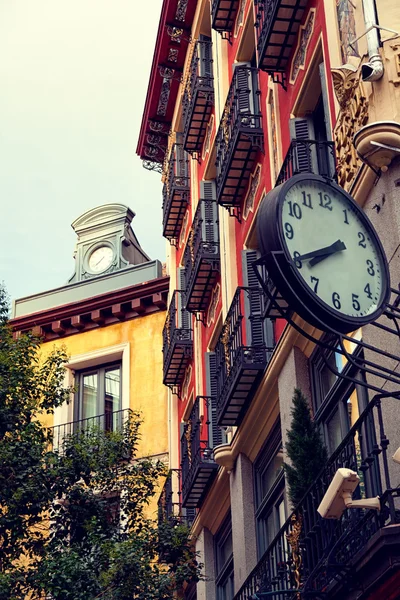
[
  {"x": 353, "y": 115},
  {"x": 294, "y": 541}
]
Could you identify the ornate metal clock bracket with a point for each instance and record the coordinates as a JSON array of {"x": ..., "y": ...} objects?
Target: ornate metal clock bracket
[{"x": 338, "y": 342}]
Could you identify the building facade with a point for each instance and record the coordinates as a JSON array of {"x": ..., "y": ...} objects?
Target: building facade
[
  {"x": 243, "y": 95},
  {"x": 109, "y": 316}
]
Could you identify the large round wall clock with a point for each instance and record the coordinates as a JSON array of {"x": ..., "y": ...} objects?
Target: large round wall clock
[{"x": 323, "y": 254}]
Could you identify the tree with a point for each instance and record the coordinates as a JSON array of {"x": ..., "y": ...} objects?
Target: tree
[
  {"x": 73, "y": 523},
  {"x": 305, "y": 449}
]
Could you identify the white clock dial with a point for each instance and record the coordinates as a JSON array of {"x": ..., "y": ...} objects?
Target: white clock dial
[
  {"x": 333, "y": 249},
  {"x": 100, "y": 259}
]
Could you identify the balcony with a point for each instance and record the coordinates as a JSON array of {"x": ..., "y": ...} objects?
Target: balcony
[
  {"x": 169, "y": 505},
  {"x": 242, "y": 355},
  {"x": 177, "y": 341},
  {"x": 277, "y": 23},
  {"x": 223, "y": 14},
  {"x": 176, "y": 192},
  {"x": 330, "y": 555},
  {"x": 201, "y": 258},
  {"x": 110, "y": 421},
  {"x": 198, "y": 97},
  {"x": 198, "y": 466},
  {"x": 239, "y": 138},
  {"x": 308, "y": 156}
]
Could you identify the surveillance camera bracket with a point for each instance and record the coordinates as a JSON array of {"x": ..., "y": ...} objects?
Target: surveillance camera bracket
[{"x": 370, "y": 503}]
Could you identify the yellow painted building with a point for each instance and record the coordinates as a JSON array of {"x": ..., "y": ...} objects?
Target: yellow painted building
[{"x": 109, "y": 317}]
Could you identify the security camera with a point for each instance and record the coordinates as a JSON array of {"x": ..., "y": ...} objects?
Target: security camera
[
  {"x": 338, "y": 496},
  {"x": 396, "y": 456}
]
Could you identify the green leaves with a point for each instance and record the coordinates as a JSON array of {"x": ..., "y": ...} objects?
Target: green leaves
[
  {"x": 74, "y": 520},
  {"x": 305, "y": 449}
]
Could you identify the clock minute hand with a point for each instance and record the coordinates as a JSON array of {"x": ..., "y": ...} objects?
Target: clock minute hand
[{"x": 335, "y": 247}]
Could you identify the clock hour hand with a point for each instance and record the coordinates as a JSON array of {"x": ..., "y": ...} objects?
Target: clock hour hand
[{"x": 338, "y": 248}]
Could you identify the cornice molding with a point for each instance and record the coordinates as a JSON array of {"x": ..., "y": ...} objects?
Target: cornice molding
[{"x": 98, "y": 311}]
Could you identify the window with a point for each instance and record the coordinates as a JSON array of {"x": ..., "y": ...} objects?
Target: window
[
  {"x": 337, "y": 402},
  {"x": 269, "y": 490},
  {"x": 98, "y": 396},
  {"x": 224, "y": 561}
]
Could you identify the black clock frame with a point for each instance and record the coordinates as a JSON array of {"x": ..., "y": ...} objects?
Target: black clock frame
[{"x": 283, "y": 272}]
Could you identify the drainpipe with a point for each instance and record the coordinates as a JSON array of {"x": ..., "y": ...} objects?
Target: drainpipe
[{"x": 373, "y": 69}]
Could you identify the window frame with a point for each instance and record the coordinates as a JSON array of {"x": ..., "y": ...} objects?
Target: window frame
[
  {"x": 225, "y": 572},
  {"x": 326, "y": 404},
  {"x": 100, "y": 370},
  {"x": 269, "y": 502}
]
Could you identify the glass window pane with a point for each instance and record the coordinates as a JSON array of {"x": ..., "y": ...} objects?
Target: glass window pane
[
  {"x": 89, "y": 396},
  {"x": 272, "y": 471},
  {"x": 112, "y": 397},
  {"x": 334, "y": 431},
  {"x": 225, "y": 550}
]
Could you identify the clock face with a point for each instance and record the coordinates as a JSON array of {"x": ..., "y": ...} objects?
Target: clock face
[
  {"x": 333, "y": 248},
  {"x": 100, "y": 259},
  {"x": 323, "y": 254}
]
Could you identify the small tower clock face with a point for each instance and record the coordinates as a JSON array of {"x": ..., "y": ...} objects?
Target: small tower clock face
[
  {"x": 100, "y": 259},
  {"x": 332, "y": 267}
]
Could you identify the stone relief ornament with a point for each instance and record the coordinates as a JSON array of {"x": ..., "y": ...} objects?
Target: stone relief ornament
[
  {"x": 213, "y": 304},
  {"x": 302, "y": 45},
  {"x": 186, "y": 382},
  {"x": 164, "y": 97},
  {"x": 181, "y": 10},
  {"x": 207, "y": 140},
  {"x": 254, "y": 183},
  {"x": 353, "y": 115}
]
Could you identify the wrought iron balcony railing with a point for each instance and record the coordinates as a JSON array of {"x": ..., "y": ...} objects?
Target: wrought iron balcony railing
[
  {"x": 175, "y": 193},
  {"x": 308, "y": 156},
  {"x": 198, "y": 97},
  {"x": 177, "y": 341},
  {"x": 311, "y": 555},
  {"x": 223, "y": 14},
  {"x": 198, "y": 465},
  {"x": 242, "y": 354},
  {"x": 169, "y": 503},
  {"x": 110, "y": 421},
  {"x": 277, "y": 24},
  {"x": 201, "y": 258},
  {"x": 239, "y": 138}
]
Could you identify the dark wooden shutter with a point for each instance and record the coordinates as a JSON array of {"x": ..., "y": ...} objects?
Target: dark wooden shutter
[
  {"x": 204, "y": 49},
  {"x": 217, "y": 435},
  {"x": 326, "y": 161},
  {"x": 244, "y": 88},
  {"x": 304, "y": 156},
  {"x": 183, "y": 315},
  {"x": 253, "y": 301},
  {"x": 209, "y": 211}
]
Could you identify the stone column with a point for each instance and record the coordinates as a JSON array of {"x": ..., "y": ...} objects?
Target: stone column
[
  {"x": 205, "y": 547},
  {"x": 243, "y": 520}
]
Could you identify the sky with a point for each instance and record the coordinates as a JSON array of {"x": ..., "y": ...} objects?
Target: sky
[{"x": 73, "y": 81}]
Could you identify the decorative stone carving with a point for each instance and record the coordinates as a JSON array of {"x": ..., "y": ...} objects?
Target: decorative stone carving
[
  {"x": 353, "y": 115},
  {"x": 213, "y": 305},
  {"x": 164, "y": 97},
  {"x": 207, "y": 139},
  {"x": 186, "y": 382},
  {"x": 304, "y": 37},
  {"x": 249, "y": 200}
]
